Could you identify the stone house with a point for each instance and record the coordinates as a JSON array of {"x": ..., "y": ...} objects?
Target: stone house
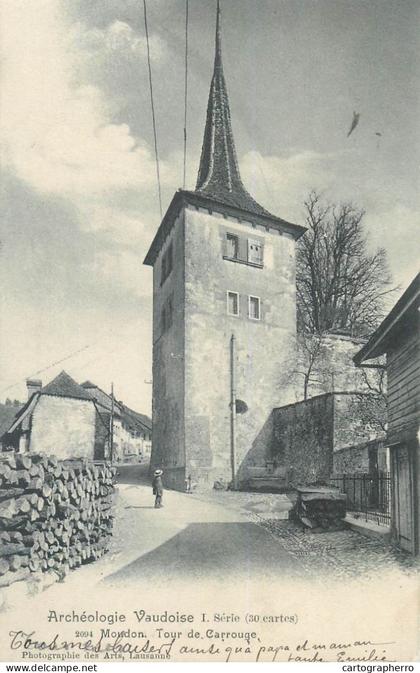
[
  {"x": 106, "y": 408},
  {"x": 60, "y": 419},
  {"x": 137, "y": 434},
  {"x": 131, "y": 430},
  {"x": 398, "y": 338},
  {"x": 68, "y": 419}
]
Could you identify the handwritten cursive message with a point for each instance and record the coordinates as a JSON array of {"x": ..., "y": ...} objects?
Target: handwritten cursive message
[{"x": 250, "y": 647}]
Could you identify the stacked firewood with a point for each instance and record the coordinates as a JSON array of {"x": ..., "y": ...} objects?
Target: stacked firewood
[
  {"x": 321, "y": 509},
  {"x": 54, "y": 515}
]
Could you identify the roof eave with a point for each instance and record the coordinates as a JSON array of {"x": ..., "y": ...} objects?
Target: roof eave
[
  {"x": 171, "y": 213},
  {"x": 295, "y": 230},
  {"x": 68, "y": 396},
  {"x": 26, "y": 409},
  {"x": 183, "y": 197},
  {"x": 377, "y": 343}
]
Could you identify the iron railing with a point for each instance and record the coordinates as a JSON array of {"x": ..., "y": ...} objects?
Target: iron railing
[{"x": 368, "y": 495}]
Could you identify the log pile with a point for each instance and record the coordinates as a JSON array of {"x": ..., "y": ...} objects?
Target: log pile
[
  {"x": 54, "y": 515},
  {"x": 321, "y": 509}
]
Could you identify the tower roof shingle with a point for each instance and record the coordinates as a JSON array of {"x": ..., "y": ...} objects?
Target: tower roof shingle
[
  {"x": 218, "y": 175},
  {"x": 64, "y": 386},
  {"x": 219, "y": 185}
]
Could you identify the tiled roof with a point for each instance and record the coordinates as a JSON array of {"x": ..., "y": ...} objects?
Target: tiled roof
[
  {"x": 101, "y": 397},
  {"x": 135, "y": 420},
  {"x": 64, "y": 386},
  {"x": 402, "y": 318},
  {"x": 25, "y": 411},
  {"x": 7, "y": 415}
]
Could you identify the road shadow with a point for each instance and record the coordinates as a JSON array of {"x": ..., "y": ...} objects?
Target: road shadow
[
  {"x": 211, "y": 550},
  {"x": 137, "y": 475},
  {"x": 140, "y": 507}
]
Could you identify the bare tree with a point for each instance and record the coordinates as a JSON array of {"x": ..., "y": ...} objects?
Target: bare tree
[
  {"x": 340, "y": 284},
  {"x": 371, "y": 405},
  {"x": 320, "y": 371},
  {"x": 310, "y": 351}
]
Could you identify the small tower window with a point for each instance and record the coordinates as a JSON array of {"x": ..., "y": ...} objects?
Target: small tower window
[
  {"x": 163, "y": 320},
  {"x": 169, "y": 312},
  {"x": 232, "y": 246},
  {"x": 167, "y": 315},
  {"x": 167, "y": 264},
  {"x": 169, "y": 260},
  {"x": 233, "y": 303},
  {"x": 254, "y": 309}
]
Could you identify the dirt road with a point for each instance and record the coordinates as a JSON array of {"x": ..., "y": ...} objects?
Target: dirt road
[{"x": 192, "y": 539}]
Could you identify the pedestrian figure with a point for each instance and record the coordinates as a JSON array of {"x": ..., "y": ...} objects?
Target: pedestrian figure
[
  {"x": 158, "y": 488},
  {"x": 188, "y": 484}
]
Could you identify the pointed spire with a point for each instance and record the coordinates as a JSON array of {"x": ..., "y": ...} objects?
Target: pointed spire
[
  {"x": 218, "y": 174},
  {"x": 218, "y": 50}
]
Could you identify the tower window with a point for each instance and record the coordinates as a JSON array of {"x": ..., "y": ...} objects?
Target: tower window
[
  {"x": 255, "y": 251},
  {"x": 167, "y": 315},
  {"x": 254, "y": 309},
  {"x": 238, "y": 248},
  {"x": 169, "y": 312},
  {"x": 169, "y": 260},
  {"x": 232, "y": 246},
  {"x": 163, "y": 320},
  {"x": 233, "y": 303},
  {"x": 167, "y": 264}
]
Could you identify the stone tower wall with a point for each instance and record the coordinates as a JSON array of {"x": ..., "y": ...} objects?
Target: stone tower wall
[
  {"x": 264, "y": 348},
  {"x": 168, "y": 449}
]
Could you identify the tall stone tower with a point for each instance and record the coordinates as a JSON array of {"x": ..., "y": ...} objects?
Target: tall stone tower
[{"x": 223, "y": 267}]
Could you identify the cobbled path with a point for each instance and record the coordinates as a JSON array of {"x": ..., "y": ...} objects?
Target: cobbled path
[{"x": 344, "y": 554}]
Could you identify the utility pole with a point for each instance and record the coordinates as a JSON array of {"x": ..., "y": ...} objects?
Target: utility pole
[
  {"x": 233, "y": 411},
  {"x": 111, "y": 426}
]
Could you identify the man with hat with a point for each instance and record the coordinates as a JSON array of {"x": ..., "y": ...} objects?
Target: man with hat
[{"x": 158, "y": 488}]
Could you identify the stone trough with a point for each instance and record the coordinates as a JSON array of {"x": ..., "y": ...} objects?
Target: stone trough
[{"x": 320, "y": 509}]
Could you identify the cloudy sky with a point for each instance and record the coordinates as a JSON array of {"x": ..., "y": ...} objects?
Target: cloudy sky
[{"x": 79, "y": 196}]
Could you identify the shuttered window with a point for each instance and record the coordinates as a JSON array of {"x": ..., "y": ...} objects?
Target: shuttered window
[
  {"x": 238, "y": 248},
  {"x": 232, "y": 246},
  {"x": 255, "y": 251}
]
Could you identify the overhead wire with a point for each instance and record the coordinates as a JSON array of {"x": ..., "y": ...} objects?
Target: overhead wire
[
  {"x": 64, "y": 359},
  {"x": 44, "y": 369},
  {"x": 153, "y": 108},
  {"x": 185, "y": 92}
]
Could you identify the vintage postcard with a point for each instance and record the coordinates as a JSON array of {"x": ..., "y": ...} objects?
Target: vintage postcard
[{"x": 209, "y": 408}]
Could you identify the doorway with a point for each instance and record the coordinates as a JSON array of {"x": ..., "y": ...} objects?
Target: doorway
[{"x": 403, "y": 498}]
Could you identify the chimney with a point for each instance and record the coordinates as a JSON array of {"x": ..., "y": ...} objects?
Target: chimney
[{"x": 33, "y": 386}]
